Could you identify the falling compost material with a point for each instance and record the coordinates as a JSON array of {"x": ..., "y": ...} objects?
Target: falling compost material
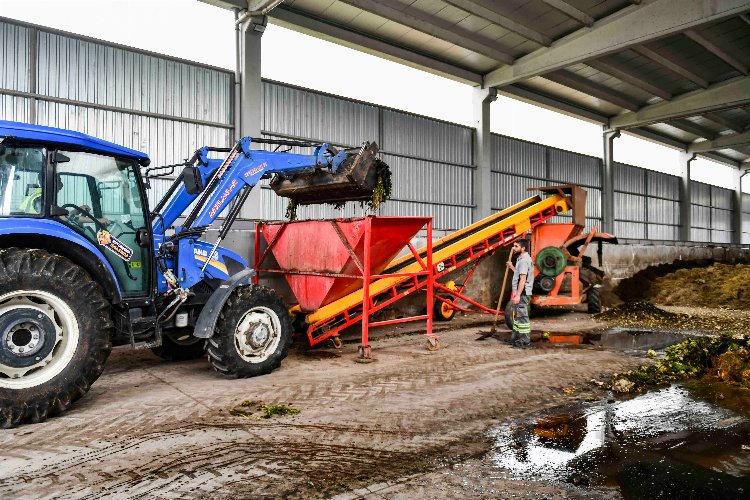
[{"x": 380, "y": 193}]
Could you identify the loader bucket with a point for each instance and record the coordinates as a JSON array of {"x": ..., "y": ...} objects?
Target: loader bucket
[{"x": 355, "y": 179}]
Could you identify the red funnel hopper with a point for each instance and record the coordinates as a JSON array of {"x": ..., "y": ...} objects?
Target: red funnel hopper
[{"x": 325, "y": 247}]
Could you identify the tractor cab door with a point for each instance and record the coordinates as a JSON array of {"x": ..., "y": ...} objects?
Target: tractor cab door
[{"x": 102, "y": 198}]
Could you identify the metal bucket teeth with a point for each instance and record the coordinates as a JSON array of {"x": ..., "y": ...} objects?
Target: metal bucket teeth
[{"x": 355, "y": 179}]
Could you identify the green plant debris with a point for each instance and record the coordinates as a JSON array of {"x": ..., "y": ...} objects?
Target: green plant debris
[
  {"x": 646, "y": 315},
  {"x": 257, "y": 410},
  {"x": 278, "y": 410},
  {"x": 725, "y": 358}
]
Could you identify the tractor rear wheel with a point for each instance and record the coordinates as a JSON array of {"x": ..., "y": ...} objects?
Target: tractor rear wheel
[
  {"x": 180, "y": 346},
  {"x": 253, "y": 333},
  {"x": 594, "y": 300},
  {"x": 55, "y": 331}
]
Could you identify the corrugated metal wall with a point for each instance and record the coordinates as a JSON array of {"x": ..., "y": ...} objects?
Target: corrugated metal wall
[
  {"x": 518, "y": 165},
  {"x": 147, "y": 102},
  {"x": 711, "y": 213},
  {"x": 169, "y": 108},
  {"x": 646, "y": 204}
]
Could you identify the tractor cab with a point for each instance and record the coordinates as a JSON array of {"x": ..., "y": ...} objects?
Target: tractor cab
[{"x": 88, "y": 188}]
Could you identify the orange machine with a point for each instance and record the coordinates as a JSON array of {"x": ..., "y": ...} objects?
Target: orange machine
[{"x": 563, "y": 276}]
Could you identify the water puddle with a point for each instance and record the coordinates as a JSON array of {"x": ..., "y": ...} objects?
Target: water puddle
[
  {"x": 667, "y": 443},
  {"x": 625, "y": 339}
]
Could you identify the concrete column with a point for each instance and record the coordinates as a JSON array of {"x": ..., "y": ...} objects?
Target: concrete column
[
  {"x": 608, "y": 182},
  {"x": 251, "y": 92},
  {"x": 686, "y": 212},
  {"x": 482, "y": 99}
]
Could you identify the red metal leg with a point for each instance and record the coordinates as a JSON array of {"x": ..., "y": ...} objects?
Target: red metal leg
[
  {"x": 365, "y": 351},
  {"x": 256, "y": 254},
  {"x": 431, "y": 338}
]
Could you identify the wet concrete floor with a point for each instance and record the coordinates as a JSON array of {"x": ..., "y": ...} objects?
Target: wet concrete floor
[{"x": 671, "y": 443}]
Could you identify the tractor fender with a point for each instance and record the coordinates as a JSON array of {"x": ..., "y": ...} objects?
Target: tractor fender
[
  {"x": 57, "y": 238},
  {"x": 204, "y": 327}
]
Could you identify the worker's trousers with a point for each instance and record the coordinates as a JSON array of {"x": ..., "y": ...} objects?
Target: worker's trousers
[{"x": 521, "y": 323}]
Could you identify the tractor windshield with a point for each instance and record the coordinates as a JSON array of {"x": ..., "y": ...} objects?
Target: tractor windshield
[
  {"x": 21, "y": 181},
  {"x": 103, "y": 202}
]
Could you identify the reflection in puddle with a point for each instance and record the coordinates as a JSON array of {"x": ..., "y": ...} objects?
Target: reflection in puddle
[
  {"x": 661, "y": 441},
  {"x": 629, "y": 339}
]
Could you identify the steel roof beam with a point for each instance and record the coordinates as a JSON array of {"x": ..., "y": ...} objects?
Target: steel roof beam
[
  {"x": 576, "y": 82},
  {"x": 259, "y": 6},
  {"x": 729, "y": 94},
  {"x": 622, "y": 30},
  {"x": 552, "y": 103},
  {"x": 722, "y": 142},
  {"x": 620, "y": 72},
  {"x": 671, "y": 66},
  {"x": 432, "y": 25},
  {"x": 693, "y": 128},
  {"x": 306, "y": 23},
  {"x": 484, "y": 10},
  {"x": 720, "y": 120},
  {"x": 717, "y": 51},
  {"x": 571, "y": 11}
]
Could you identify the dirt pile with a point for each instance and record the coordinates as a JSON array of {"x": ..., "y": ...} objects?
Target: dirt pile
[
  {"x": 719, "y": 285},
  {"x": 725, "y": 358}
]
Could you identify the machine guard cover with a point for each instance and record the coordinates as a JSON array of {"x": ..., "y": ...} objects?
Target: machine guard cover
[{"x": 204, "y": 327}]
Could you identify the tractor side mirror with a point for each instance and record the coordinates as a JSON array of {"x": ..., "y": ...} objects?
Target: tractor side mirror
[{"x": 191, "y": 178}]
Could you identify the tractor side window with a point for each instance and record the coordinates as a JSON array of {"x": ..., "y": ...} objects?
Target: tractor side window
[
  {"x": 102, "y": 198},
  {"x": 21, "y": 181}
]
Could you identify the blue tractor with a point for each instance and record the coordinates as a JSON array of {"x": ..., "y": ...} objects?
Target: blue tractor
[{"x": 85, "y": 265}]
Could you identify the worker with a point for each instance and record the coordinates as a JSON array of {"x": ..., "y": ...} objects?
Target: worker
[{"x": 523, "y": 281}]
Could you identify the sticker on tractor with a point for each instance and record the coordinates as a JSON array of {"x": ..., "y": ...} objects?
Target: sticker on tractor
[{"x": 114, "y": 245}]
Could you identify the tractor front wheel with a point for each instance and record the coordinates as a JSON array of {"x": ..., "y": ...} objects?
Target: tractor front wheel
[
  {"x": 253, "y": 333},
  {"x": 55, "y": 333}
]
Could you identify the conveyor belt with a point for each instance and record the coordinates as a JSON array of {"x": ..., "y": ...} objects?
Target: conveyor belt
[{"x": 520, "y": 218}]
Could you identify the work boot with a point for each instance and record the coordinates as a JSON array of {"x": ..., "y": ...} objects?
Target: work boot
[{"x": 521, "y": 345}]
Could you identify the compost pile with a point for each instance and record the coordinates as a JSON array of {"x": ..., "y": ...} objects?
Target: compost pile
[
  {"x": 647, "y": 315},
  {"x": 725, "y": 358},
  {"x": 380, "y": 193},
  {"x": 719, "y": 285}
]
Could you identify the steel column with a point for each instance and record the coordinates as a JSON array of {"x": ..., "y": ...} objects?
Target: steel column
[
  {"x": 686, "y": 197},
  {"x": 737, "y": 208},
  {"x": 481, "y": 100},
  {"x": 608, "y": 185},
  {"x": 251, "y": 92}
]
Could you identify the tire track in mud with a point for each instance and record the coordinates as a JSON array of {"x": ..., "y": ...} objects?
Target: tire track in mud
[{"x": 356, "y": 421}]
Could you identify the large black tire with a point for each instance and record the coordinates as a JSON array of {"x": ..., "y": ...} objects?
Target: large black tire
[
  {"x": 180, "y": 346},
  {"x": 254, "y": 320},
  {"x": 442, "y": 311},
  {"x": 510, "y": 311},
  {"x": 594, "y": 300},
  {"x": 55, "y": 331}
]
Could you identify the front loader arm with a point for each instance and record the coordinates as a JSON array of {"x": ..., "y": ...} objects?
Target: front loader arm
[{"x": 228, "y": 180}]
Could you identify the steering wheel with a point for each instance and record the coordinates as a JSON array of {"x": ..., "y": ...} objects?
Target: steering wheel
[{"x": 88, "y": 214}]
